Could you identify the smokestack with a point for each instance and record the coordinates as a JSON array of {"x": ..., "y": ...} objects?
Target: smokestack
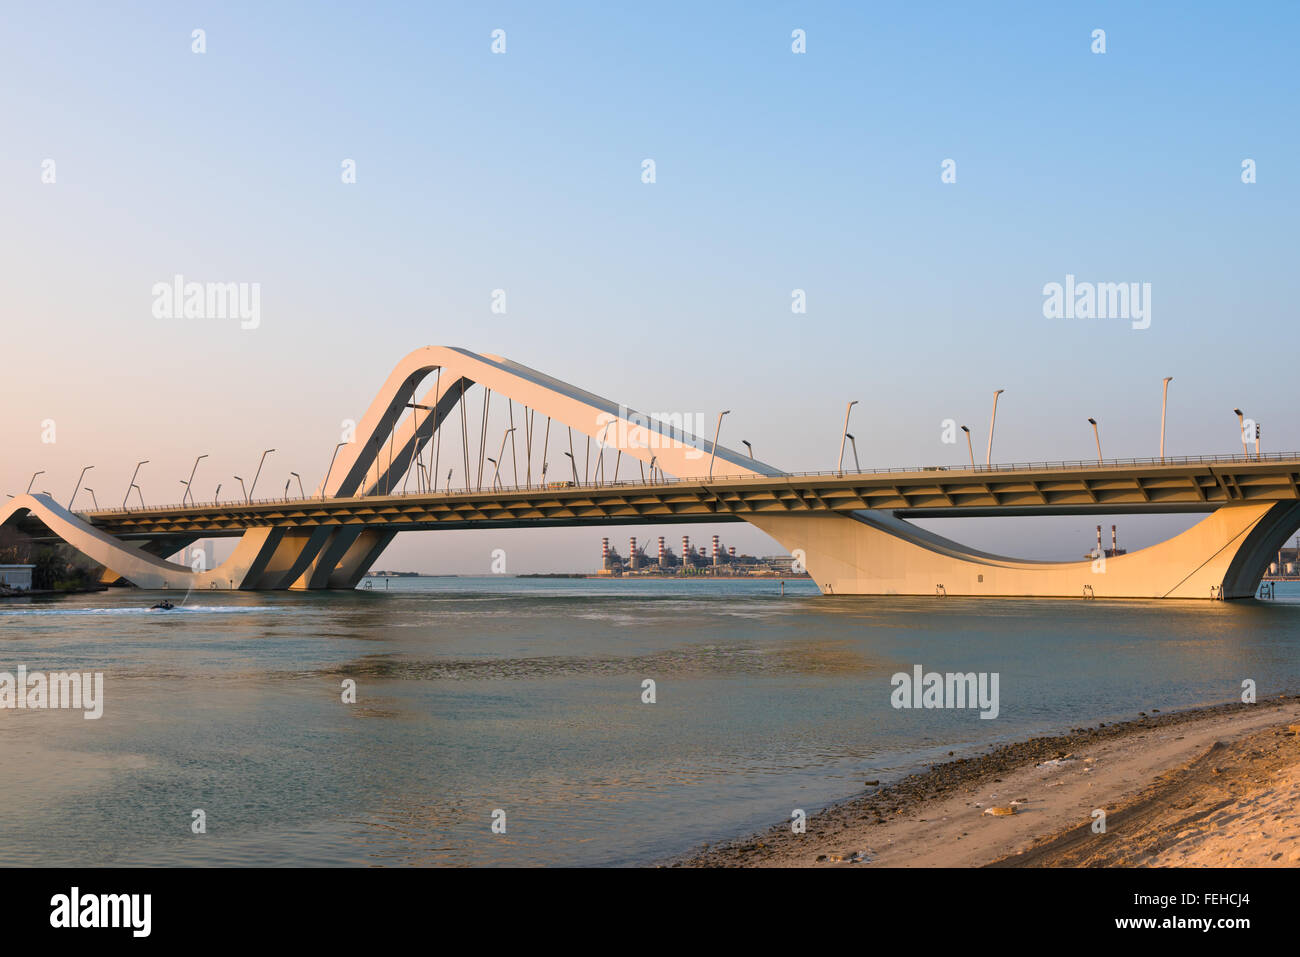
[
  {"x": 632, "y": 562},
  {"x": 604, "y": 554},
  {"x": 1099, "y": 551},
  {"x": 731, "y": 552},
  {"x": 686, "y": 550},
  {"x": 661, "y": 551},
  {"x": 1114, "y": 541},
  {"x": 715, "y": 549}
]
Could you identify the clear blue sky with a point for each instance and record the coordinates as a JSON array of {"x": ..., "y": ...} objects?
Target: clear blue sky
[{"x": 521, "y": 171}]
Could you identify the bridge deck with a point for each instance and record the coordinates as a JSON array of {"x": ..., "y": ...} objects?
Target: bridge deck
[{"x": 1183, "y": 485}]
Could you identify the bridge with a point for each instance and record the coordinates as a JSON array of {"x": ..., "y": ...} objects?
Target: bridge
[{"x": 850, "y": 529}]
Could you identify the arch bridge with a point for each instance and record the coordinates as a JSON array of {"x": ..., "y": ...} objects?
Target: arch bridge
[{"x": 850, "y": 529}]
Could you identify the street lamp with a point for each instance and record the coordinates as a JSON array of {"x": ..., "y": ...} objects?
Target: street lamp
[
  {"x": 325, "y": 483},
  {"x": 1096, "y": 434},
  {"x": 259, "y": 470},
  {"x": 969, "y": 448},
  {"x": 1241, "y": 420},
  {"x": 94, "y": 500},
  {"x": 449, "y": 471},
  {"x": 748, "y": 448},
  {"x": 301, "y": 492},
  {"x": 133, "y": 485},
  {"x": 716, "y": 432},
  {"x": 988, "y": 455},
  {"x": 1164, "y": 401},
  {"x": 856, "y": 466},
  {"x": 189, "y": 484},
  {"x": 653, "y": 460},
  {"x": 137, "y": 492},
  {"x": 29, "y": 484},
  {"x": 495, "y": 472},
  {"x": 839, "y": 468},
  {"x": 502, "y": 454},
  {"x": 78, "y": 488},
  {"x": 241, "y": 485},
  {"x": 575, "y": 467}
]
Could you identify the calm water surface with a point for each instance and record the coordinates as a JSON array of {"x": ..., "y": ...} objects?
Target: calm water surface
[{"x": 525, "y": 695}]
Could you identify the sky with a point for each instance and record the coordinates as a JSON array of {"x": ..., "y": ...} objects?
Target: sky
[{"x": 523, "y": 171}]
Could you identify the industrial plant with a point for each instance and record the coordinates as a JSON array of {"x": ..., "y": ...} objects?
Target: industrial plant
[{"x": 718, "y": 561}]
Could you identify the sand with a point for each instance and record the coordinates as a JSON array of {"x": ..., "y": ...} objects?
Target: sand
[{"x": 1209, "y": 787}]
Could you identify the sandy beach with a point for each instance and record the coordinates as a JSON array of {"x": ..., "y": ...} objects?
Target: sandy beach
[{"x": 1210, "y": 787}]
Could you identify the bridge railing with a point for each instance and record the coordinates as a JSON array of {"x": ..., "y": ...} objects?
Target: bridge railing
[{"x": 564, "y": 485}]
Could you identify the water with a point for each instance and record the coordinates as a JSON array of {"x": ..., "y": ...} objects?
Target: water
[{"x": 524, "y": 695}]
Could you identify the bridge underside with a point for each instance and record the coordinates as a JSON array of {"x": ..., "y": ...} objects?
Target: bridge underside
[{"x": 1223, "y": 556}]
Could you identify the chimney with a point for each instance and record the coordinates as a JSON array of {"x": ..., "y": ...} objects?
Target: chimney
[
  {"x": 1099, "y": 551},
  {"x": 632, "y": 562},
  {"x": 1114, "y": 541},
  {"x": 661, "y": 551},
  {"x": 715, "y": 549},
  {"x": 604, "y": 554},
  {"x": 686, "y": 550}
]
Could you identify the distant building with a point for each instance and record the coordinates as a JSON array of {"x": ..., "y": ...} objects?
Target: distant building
[{"x": 17, "y": 576}]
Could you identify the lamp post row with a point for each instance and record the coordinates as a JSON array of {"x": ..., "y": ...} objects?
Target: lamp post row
[{"x": 845, "y": 437}]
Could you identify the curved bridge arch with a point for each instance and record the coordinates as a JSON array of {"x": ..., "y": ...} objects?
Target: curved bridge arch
[{"x": 863, "y": 552}]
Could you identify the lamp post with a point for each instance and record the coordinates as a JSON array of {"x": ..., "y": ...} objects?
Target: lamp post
[
  {"x": 132, "y": 485},
  {"x": 449, "y": 471},
  {"x": 29, "y": 484},
  {"x": 969, "y": 448},
  {"x": 241, "y": 485},
  {"x": 502, "y": 454},
  {"x": 1241, "y": 421},
  {"x": 325, "y": 483},
  {"x": 216, "y": 496},
  {"x": 569, "y": 455},
  {"x": 93, "y": 500},
  {"x": 259, "y": 471},
  {"x": 653, "y": 460},
  {"x": 1096, "y": 434},
  {"x": 748, "y": 448},
  {"x": 301, "y": 492},
  {"x": 988, "y": 455},
  {"x": 495, "y": 471},
  {"x": 839, "y": 467},
  {"x": 1164, "y": 402},
  {"x": 854, "y": 442},
  {"x": 287, "y": 483},
  {"x": 717, "y": 430},
  {"x": 139, "y": 493},
  {"x": 415, "y": 437},
  {"x": 78, "y": 488},
  {"x": 189, "y": 484}
]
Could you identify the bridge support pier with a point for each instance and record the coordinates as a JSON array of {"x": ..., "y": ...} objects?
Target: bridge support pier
[{"x": 875, "y": 553}]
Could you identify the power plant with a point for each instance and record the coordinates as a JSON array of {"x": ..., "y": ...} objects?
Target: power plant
[{"x": 718, "y": 561}]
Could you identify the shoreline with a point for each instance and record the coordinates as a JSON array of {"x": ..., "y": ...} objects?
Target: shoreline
[{"x": 1173, "y": 787}]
